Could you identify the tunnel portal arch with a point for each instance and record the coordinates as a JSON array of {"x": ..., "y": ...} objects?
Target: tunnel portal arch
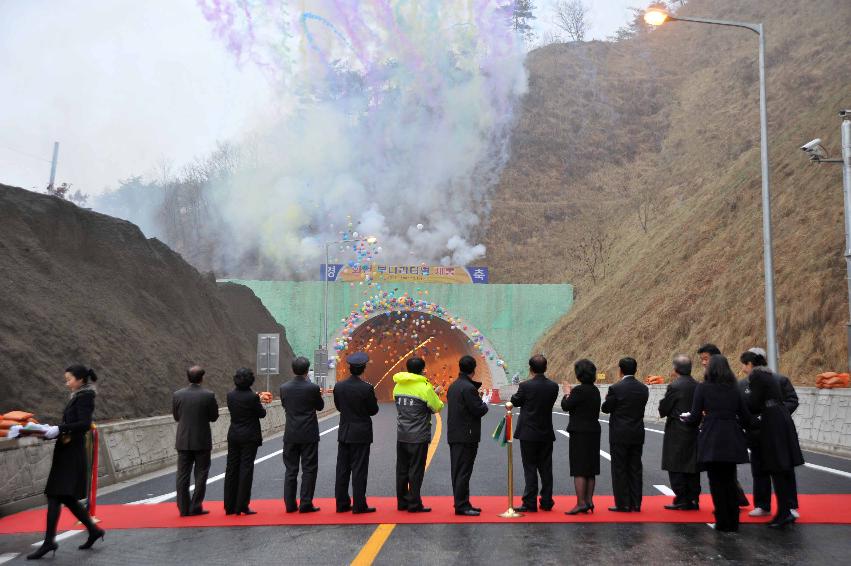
[{"x": 391, "y": 329}]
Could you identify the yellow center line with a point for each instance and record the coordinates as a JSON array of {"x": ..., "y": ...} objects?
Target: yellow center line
[{"x": 379, "y": 536}]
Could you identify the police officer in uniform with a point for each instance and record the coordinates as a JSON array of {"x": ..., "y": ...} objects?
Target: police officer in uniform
[
  {"x": 355, "y": 399},
  {"x": 301, "y": 399}
]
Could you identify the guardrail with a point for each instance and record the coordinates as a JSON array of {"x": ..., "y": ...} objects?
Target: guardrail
[{"x": 127, "y": 449}]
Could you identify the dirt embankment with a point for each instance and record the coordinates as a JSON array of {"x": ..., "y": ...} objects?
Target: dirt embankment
[
  {"x": 649, "y": 149},
  {"x": 81, "y": 287}
]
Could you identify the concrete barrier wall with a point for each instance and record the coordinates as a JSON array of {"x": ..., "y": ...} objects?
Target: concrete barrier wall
[
  {"x": 127, "y": 449},
  {"x": 823, "y": 418}
]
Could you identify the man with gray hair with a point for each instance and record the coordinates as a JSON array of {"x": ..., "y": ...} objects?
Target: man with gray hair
[{"x": 679, "y": 446}]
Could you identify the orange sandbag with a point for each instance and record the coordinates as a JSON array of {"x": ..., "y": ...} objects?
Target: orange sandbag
[
  {"x": 7, "y": 424},
  {"x": 20, "y": 416},
  {"x": 826, "y": 375},
  {"x": 654, "y": 380}
]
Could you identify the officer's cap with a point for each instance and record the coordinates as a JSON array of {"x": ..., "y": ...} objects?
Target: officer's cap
[{"x": 358, "y": 359}]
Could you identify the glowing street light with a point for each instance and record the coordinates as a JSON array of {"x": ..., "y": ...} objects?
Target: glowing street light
[{"x": 657, "y": 17}]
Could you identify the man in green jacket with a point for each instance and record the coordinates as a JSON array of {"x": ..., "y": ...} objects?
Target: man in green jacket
[{"x": 416, "y": 400}]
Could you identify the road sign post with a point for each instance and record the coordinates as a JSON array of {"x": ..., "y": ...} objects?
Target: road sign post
[{"x": 268, "y": 355}]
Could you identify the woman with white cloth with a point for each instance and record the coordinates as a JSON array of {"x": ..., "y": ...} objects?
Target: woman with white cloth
[{"x": 67, "y": 481}]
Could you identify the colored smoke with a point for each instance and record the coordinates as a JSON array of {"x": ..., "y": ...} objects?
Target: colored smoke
[{"x": 388, "y": 115}]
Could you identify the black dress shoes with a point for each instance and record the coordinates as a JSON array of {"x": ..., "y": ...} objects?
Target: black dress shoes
[
  {"x": 344, "y": 509},
  {"x": 362, "y": 511},
  {"x": 292, "y": 509},
  {"x": 779, "y": 523},
  {"x": 620, "y": 509},
  {"x": 476, "y": 509},
  {"x": 419, "y": 509},
  {"x": 310, "y": 509},
  {"x": 524, "y": 509},
  {"x": 199, "y": 512},
  {"x": 44, "y": 549},
  {"x": 683, "y": 507},
  {"x": 247, "y": 511},
  {"x": 468, "y": 513}
]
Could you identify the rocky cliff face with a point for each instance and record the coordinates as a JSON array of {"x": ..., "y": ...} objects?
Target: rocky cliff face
[{"x": 81, "y": 287}]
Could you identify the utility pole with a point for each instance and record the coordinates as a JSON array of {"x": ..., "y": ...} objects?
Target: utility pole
[{"x": 50, "y": 186}]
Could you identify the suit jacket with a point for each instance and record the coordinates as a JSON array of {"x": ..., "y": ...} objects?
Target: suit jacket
[
  {"x": 301, "y": 399},
  {"x": 536, "y": 398},
  {"x": 356, "y": 401},
  {"x": 583, "y": 404},
  {"x": 466, "y": 409},
  {"x": 679, "y": 445},
  {"x": 625, "y": 402},
  {"x": 246, "y": 410},
  {"x": 194, "y": 408}
]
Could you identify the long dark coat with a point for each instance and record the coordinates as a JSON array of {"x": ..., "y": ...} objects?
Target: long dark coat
[
  {"x": 723, "y": 416},
  {"x": 777, "y": 438},
  {"x": 679, "y": 446},
  {"x": 69, "y": 470}
]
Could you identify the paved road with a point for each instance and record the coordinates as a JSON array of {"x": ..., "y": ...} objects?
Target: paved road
[{"x": 518, "y": 543}]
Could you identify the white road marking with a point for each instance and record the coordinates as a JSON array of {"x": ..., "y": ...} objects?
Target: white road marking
[
  {"x": 828, "y": 470},
  {"x": 665, "y": 490},
  {"x": 8, "y": 556},
  {"x": 564, "y": 432},
  {"x": 63, "y": 536},
  {"x": 606, "y": 455},
  {"x": 167, "y": 496}
]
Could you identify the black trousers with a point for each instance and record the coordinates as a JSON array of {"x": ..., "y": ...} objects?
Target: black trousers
[
  {"x": 410, "y": 469},
  {"x": 762, "y": 485},
  {"x": 186, "y": 461},
  {"x": 537, "y": 460},
  {"x": 462, "y": 457},
  {"x": 352, "y": 462},
  {"x": 784, "y": 490},
  {"x": 54, "y": 509},
  {"x": 239, "y": 475},
  {"x": 627, "y": 474},
  {"x": 307, "y": 454},
  {"x": 725, "y": 494},
  {"x": 686, "y": 487}
]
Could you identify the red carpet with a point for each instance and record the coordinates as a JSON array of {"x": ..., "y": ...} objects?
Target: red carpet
[{"x": 815, "y": 509}]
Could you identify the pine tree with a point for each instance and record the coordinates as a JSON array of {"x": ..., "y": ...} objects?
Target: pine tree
[{"x": 520, "y": 17}]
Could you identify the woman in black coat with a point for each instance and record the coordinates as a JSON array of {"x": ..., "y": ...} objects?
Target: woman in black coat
[
  {"x": 721, "y": 411},
  {"x": 779, "y": 450},
  {"x": 583, "y": 404},
  {"x": 244, "y": 438},
  {"x": 68, "y": 479}
]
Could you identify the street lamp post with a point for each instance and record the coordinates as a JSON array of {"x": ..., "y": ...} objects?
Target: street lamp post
[
  {"x": 818, "y": 154},
  {"x": 657, "y": 17}
]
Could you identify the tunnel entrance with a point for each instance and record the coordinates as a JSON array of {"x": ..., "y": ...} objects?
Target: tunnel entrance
[{"x": 393, "y": 337}]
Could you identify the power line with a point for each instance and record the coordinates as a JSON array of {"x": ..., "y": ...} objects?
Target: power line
[{"x": 31, "y": 156}]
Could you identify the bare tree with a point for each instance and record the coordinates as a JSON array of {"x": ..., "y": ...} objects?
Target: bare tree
[
  {"x": 572, "y": 18},
  {"x": 591, "y": 252},
  {"x": 646, "y": 204}
]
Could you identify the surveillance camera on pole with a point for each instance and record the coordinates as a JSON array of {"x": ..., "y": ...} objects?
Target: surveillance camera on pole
[{"x": 818, "y": 154}]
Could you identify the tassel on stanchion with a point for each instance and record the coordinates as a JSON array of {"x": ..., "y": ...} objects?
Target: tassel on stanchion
[{"x": 509, "y": 437}]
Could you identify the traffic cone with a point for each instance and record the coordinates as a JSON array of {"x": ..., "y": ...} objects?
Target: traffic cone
[{"x": 495, "y": 396}]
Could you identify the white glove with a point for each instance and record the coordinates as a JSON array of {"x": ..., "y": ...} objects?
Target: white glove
[
  {"x": 684, "y": 416},
  {"x": 486, "y": 398},
  {"x": 51, "y": 432}
]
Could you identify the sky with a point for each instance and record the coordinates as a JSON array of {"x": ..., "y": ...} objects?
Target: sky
[{"x": 127, "y": 86}]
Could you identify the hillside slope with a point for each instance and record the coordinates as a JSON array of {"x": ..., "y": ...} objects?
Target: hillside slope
[
  {"x": 78, "y": 286},
  {"x": 667, "y": 124}
]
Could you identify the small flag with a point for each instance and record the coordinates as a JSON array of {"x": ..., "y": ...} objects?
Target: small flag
[{"x": 500, "y": 432}]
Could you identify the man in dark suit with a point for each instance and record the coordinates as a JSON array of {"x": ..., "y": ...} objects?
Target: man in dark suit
[
  {"x": 194, "y": 408},
  {"x": 536, "y": 397},
  {"x": 356, "y": 401},
  {"x": 463, "y": 432},
  {"x": 625, "y": 402},
  {"x": 301, "y": 399},
  {"x": 679, "y": 446},
  {"x": 754, "y": 358}
]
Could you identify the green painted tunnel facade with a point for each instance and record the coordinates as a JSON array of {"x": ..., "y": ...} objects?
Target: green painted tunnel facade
[{"x": 511, "y": 317}]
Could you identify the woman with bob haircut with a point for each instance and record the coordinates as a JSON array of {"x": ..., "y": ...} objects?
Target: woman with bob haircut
[
  {"x": 583, "y": 404},
  {"x": 244, "y": 438}
]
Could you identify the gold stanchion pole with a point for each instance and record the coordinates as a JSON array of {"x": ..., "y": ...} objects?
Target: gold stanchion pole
[{"x": 509, "y": 437}]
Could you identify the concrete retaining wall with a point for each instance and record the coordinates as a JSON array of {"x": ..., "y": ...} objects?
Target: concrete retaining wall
[
  {"x": 823, "y": 418},
  {"x": 127, "y": 449}
]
